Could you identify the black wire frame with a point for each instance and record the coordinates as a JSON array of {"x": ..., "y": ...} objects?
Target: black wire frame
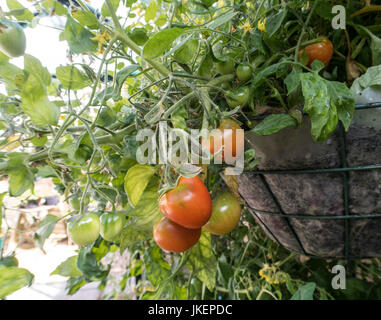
[{"x": 347, "y": 216}]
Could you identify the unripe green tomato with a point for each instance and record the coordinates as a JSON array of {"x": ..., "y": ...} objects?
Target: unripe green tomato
[
  {"x": 112, "y": 225},
  {"x": 225, "y": 65},
  {"x": 238, "y": 97},
  {"x": 225, "y": 215},
  {"x": 12, "y": 39},
  {"x": 84, "y": 230},
  {"x": 226, "y": 85},
  {"x": 244, "y": 72}
]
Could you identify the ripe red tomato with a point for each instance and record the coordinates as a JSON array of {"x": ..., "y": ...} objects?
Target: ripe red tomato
[
  {"x": 174, "y": 238},
  {"x": 221, "y": 137},
  {"x": 225, "y": 215},
  {"x": 321, "y": 51},
  {"x": 189, "y": 204}
]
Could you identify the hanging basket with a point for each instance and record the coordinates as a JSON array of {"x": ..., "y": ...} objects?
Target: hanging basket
[{"x": 320, "y": 199}]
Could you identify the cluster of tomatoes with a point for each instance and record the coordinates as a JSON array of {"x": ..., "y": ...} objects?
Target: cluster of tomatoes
[
  {"x": 86, "y": 229},
  {"x": 237, "y": 97},
  {"x": 187, "y": 209}
]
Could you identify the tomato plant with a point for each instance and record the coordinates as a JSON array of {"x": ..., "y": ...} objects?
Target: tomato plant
[
  {"x": 174, "y": 238},
  {"x": 189, "y": 204},
  {"x": 225, "y": 214}
]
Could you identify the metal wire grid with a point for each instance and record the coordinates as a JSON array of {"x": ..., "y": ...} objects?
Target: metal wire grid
[{"x": 344, "y": 170}]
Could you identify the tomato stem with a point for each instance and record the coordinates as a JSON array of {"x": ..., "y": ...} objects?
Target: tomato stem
[
  {"x": 366, "y": 9},
  {"x": 122, "y": 36}
]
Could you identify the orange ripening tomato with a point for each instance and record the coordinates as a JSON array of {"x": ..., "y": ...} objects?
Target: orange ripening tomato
[
  {"x": 225, "y": 215},
  {"x": 228, "y": 138},
  {"x": 189, "y": 204},
  {"x": 174, "y": 238},
  {"x": 321, "y": 51}
]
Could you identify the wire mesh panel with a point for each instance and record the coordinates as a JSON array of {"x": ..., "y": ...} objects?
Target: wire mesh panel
[{"x": 347, "y": 233}]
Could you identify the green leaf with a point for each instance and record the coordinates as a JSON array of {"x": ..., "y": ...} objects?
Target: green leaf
[
  {"x": 372, "y": 77},
  {"x": 326, "y": 102},
  {"x": 187, "y": 52},
  {"x": 222, "y": 19},
  {"x": 147, "y": 211},
  {"x": 151, "y": 11},
  {"x": 1, "y": 209},
  {"x": 131, "y": 236},
  {"x": 20, "y": 180},
  {"x": 375, "y": 46},
  {"x": 274, "y": 22},
  {"x": 343, "y": 100},
  {"x": 34, "y": 67},
  {"x": 101, "y": 250},
  {"x": 68, "y": 268},
  {"x": 139, "y": 36},
  {"x": 42, "y": 111},
  {"x": 72, "y": 78},
  {"x": 88, "y": 264},
  {"x": 202, "y": 261},
  {"x": 13, "y": 279},
  {"x": 273, "y": 123},
  {"x": 78, "y": 37},
  {"x": 160, "y": 42},
  {"x": 206, "y": 66},
  {"x": 121, "y": 76},
  {"x": 136, "y": 180},
  {"x": 10, "y": 74},
  {"x": 105, "y": 11},
  {"x": 305, "y": 293},
  {"x": 161, "y": 21},
  {"x": 39, "y": 141},
  {"x": 44, "y": 230},
  {"x": 58, "y": 8},
  {"x": 157, "y": 268},
  {"x": 263, "y": 73},
  {"x": 22, "y": 13},
  {"x": 86, "y": 19},
  {"x": 74, "y": 284}
]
